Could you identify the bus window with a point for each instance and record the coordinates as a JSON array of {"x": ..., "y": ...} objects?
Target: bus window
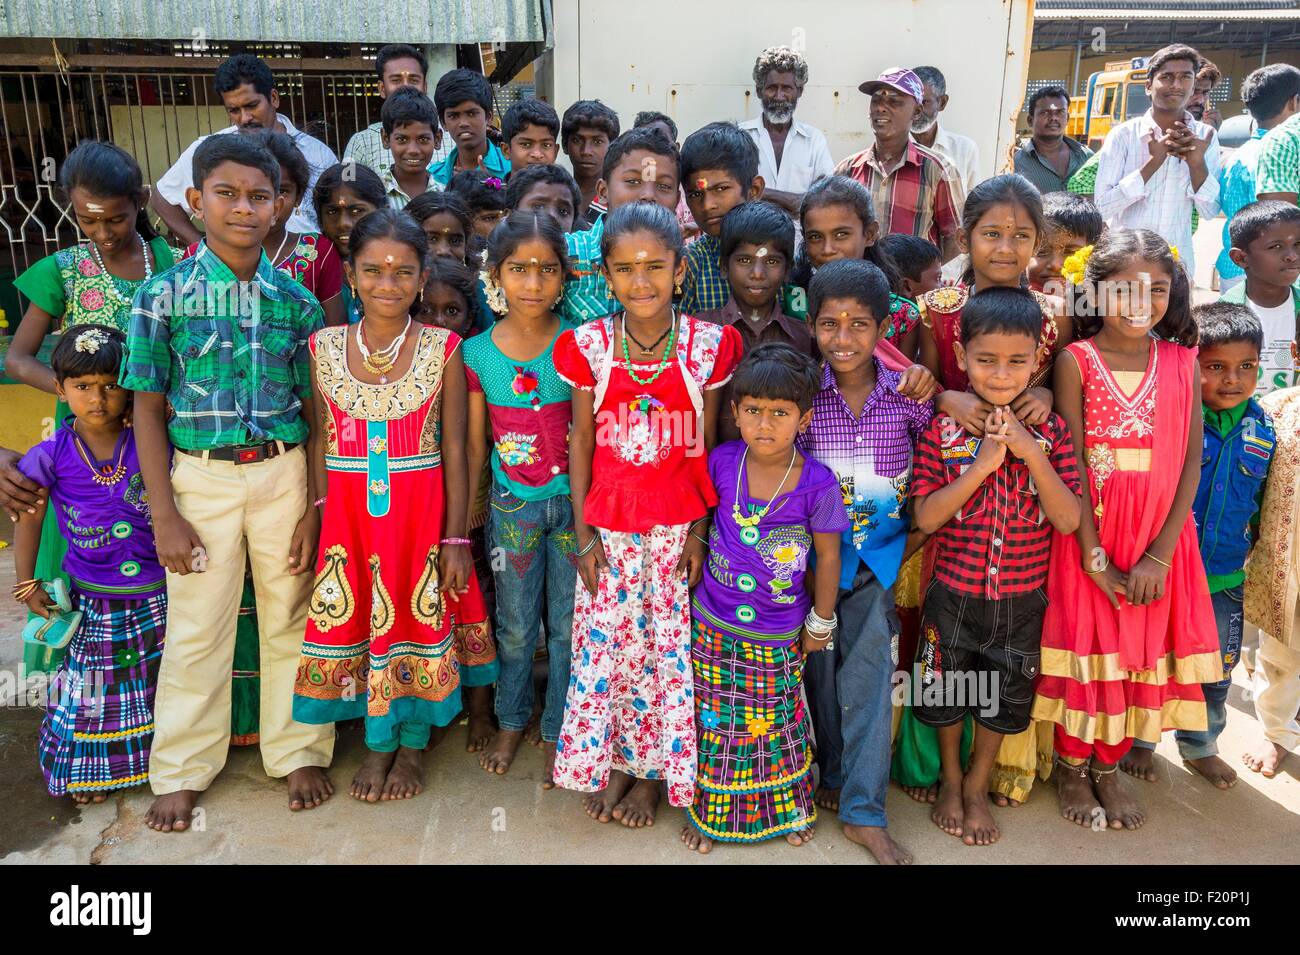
[
  {"x": 1108, "y": 103},
  {"x": 1138, "y": 100}
]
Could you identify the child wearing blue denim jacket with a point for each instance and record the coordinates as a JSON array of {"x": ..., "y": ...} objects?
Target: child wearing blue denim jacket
[{"x": 1238, "y": 447}]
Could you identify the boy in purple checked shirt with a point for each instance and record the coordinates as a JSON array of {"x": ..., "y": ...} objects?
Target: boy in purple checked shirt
[{"x": 864, "y": 431}]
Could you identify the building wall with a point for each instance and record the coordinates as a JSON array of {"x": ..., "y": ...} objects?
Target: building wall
[
  {"x": 1234, "y": 64},
  {"x": 698, "y": 70}
]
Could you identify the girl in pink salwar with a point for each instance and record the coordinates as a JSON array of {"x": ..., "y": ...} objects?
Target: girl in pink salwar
[{"x": 645, "y": 405}]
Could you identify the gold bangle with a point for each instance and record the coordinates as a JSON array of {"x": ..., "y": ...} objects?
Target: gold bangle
[{"x": 1147, "y": 553}]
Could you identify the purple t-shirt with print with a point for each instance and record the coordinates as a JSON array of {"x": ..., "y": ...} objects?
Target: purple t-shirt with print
[
  {"x": 753, "y": 585},
  {"x": 110, "y": 540}
]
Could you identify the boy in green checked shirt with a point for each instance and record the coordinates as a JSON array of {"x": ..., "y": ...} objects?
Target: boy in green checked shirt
[
  {"x": 640, "y": 166},
  {"x": 217, "y": 355}
]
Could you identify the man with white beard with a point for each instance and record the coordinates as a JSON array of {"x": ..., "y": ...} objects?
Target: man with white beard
[
  {"x": 791, "y": 154},
  {"x": 961, "y": 151}
]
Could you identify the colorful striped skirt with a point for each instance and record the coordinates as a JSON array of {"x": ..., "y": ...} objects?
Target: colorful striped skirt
[
  {"x": 754, "y": 780},
  {"x": 98, "y": 725}
]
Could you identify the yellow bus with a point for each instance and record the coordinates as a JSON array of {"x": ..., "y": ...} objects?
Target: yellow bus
[{"x": 1115, "y": 94}]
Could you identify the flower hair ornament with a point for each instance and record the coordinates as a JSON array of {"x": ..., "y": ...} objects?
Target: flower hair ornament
[
  {"x": 1173, "y": 250},
  {"x": 493, "y": 293},
  {"x": 90, "y": 340},
  {"x": 1074, "y": 265},
  {"x": 492, "y": 182}
]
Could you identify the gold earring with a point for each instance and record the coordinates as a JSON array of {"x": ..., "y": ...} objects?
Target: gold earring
[{"x": 677, "y": 289}]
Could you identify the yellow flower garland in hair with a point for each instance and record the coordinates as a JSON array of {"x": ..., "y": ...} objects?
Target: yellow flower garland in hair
[
  {"x": 1173, "y": 250},
  {"x": 1074, "y": 265}
]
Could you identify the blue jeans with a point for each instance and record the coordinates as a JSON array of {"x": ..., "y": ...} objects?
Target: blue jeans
[
  {"x": 849, "y": 694},
  {"x": 531, "y": 546},
  {"x": 1198, "y": 744}
]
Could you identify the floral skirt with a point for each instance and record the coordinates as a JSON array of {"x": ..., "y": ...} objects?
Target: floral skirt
[
  {"x": 99, "y": 724},
  {"x": 754, "y": 780},
  {"x": 630, "y": 704}
]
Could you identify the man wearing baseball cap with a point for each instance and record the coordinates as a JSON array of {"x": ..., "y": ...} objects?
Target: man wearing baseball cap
[{"x": 911, "y": 186}]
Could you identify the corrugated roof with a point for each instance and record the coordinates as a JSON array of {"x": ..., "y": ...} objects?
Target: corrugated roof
[
  {"x": 330, "y": 21},
  {"x": 1156, "y": 11},
  {"x": 1190, "y": 6}
]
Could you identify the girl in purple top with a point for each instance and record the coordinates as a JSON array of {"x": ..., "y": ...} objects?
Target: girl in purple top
[
  {"x": 753, "y": 620},
  {"x": 98, "y": 726}
]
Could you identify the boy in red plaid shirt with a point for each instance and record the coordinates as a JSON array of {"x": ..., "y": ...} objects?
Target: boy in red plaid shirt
[{"x": 991, "y": 505}]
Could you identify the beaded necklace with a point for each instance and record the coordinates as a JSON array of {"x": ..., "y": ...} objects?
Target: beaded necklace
[{"x": 663, "y": 362}]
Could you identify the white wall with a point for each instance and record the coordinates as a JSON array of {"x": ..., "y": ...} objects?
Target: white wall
[{"x": 692, "y": 60}]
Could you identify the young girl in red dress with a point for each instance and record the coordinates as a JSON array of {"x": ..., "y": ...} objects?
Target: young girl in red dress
[
  {"x": 1129, "y": 633},
  {"x": 395, "y": 589},
  {"x": 645, "y": 403}
]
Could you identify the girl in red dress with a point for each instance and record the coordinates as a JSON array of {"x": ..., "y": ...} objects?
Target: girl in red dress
[
  {"x": 395, "y": 590},
  {"x": 645, "y": 404},
  {"x": 1129, "y": 635}
]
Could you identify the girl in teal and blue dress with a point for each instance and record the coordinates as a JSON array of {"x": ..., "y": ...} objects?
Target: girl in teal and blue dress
[{"x": 90, "y": 282}]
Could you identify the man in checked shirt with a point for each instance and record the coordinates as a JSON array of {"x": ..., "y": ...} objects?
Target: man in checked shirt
[{"x": 991, "y": 505}]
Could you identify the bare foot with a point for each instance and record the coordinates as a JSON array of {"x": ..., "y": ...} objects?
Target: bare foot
[
  {"x": 877, "y": 841},
  {"x": 695, "y": 840},
  {"x": 436, "y": 735},
  {"x": 309, "y": 786},
  {"x": 1074, "y": 790},
  {"x": 1215, "y": 770},
  {"x": 85, "y": 798},
  {"x": 926, "y": 794},
  {"x": 1122, "y": 809},
  {"x": 1264, "y": 758},
  {"x": 981, "y": 829},
  {"x": 479, "y": 705},
  {"x": 1139, "y": 762},
  {"x": 172, "y": 812},
  {"x": 548, "y": 765},
  {"x": 801, "y": 836},
  {"x": 827, "y": 798},
  {"x": 406, "y": 777},
  {"x": 600, "y": 805},
  {"x": 368, "y": 783},
  {"x": 947, "y": 812},
  {"x": 637, "y": 808},
  {"x": 500, "y": 753},
  {"x": 533, "y": 731},
  {"x": 1003, "y": 801}
]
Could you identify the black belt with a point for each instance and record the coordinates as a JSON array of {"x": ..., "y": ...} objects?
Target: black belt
[{"x": 244, "y": 453}]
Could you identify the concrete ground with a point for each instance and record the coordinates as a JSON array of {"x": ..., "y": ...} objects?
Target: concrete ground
[{"x": 464, "y": 815}]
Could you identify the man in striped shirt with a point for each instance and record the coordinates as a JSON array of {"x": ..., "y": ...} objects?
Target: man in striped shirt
[{"x": 912, "y": 188}]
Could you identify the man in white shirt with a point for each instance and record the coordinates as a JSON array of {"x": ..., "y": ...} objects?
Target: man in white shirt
[
  {"x": 1153, "y": 168},
  {"x": 791, "y": 155},
  {"x": 398, "y": 65},
  {"x": 962, "y": 152},
  {"x": 247, "y": 88}
]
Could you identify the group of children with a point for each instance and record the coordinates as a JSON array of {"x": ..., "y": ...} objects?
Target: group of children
[{"x": 456, "y": 419}]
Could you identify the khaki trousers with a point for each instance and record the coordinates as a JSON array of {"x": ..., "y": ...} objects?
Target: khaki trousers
[
  {"x": 235, "y": 510},
  {"x": 1277, "y": 691}
]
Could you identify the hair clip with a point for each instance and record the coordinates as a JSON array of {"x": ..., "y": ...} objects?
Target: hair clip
[{"x": 90, "y": 340}]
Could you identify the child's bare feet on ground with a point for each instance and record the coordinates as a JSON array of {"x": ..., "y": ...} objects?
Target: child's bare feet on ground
[
  {"x": 1139, "y": 762},
  {"x": 1074, "y": 789},
  {"x": 1003, "y": 801},
  {"x": 1264, "y": 758},
  {"x": 827, "y": 798},
  {"x": 533, "y": 731},
  {"x": 501, "y": 751},
  {"x": 877, "y": 841},
  {"x": 479, "y": 706},
  {"x": 548, "y": 765},
  {"x": 947, "y": 813},
  {"x": 406, "y": 777},
  {"x": 309, "y": 786},
  {"x": 978, "y": 825},
  {"x": 925, "y": 794},
  {"x": 84, "y": 799},
  {"x": 801, "y": 836},
  {"x": 1215, "y": 770},
  {"x": 1122, "y": 808},
  {"x": 637, "y": 808},
  {"x": 695, "y": 840},
  {"x": 172, "y": 812},
  {"x": 600, "y": 805},
  {"x": 368, "y": 783}
]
